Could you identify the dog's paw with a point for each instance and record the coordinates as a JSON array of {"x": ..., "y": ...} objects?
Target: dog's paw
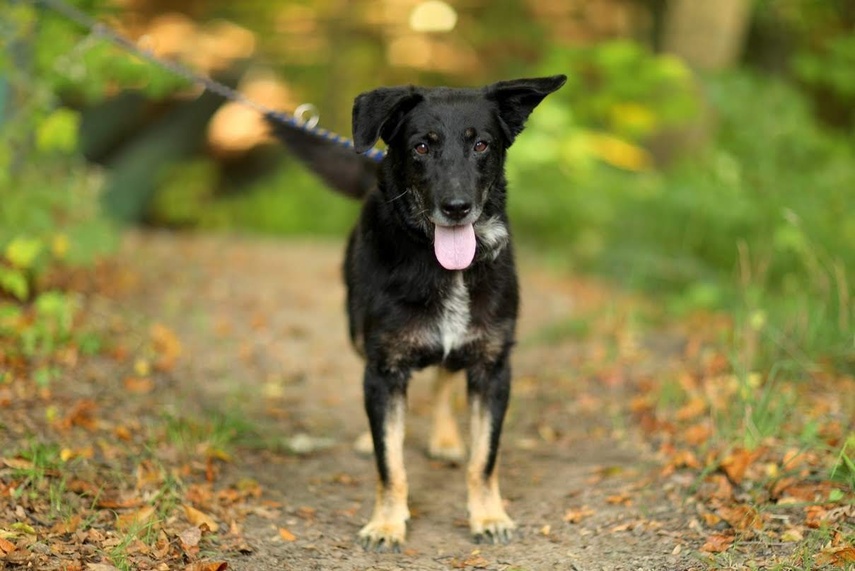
[
  {"x": 498, "y": 529},
  {"x": 383, "y": 535},
  {"x": 363, "y": 445},
  {"x": 449, "y": 450}
]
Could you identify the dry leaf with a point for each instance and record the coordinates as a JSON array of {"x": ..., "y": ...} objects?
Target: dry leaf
[
  {"x": 693, "y": 409},
  {"x": 575, "y": 516},
  {"x": 6, "y": 546},
  {"x": 837, "y": 556},
  {"x": 18, "y": 463},
  {"x": 622, "y": 498},
  {"x": 137, "y": 519},
  {"x": 736, "y": 464},
  {"x": 741, "y": 517},
  {"x": 190, "y": 537},
  {"x": 207, "y": 566},
  {"x": 200, "y": 518},
  {"x": 717, "y": 542},
  {"x": 139, "y": 385},
  {"x": 286, "y": 535},
  {"x": 792, "y": 535}
]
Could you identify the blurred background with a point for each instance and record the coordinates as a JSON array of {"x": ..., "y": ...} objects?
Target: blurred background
[{"x": 701, "y": 151}]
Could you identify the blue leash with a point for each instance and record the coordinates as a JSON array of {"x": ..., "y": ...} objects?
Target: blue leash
[{"x": 102, "y": 31}]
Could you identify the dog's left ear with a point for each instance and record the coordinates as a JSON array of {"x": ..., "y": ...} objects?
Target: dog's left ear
[
  {"x": 379, "y": 113},
  {"x": 517, "y": 98}
]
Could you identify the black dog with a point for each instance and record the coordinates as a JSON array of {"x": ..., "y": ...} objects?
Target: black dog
[{"x": 431, "y": 278}]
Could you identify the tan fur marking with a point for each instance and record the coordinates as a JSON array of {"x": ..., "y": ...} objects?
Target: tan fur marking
[
  {"x": 445, "y": 442},
  {"x": 388, "y": 523},
  {"x": 486, "y": 513}
]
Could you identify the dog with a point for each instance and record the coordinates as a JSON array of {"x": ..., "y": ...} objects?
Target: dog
[{"x": 431, "y": 278}]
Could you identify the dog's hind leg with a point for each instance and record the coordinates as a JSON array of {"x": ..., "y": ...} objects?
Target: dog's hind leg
[
  {"x": 385, "y": 403},
  {"x": 489, "y": 390},
  {"x": 445, "y": 442}
]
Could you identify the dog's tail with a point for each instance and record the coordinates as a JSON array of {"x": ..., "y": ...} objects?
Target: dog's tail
[{"x": 342, "y": 169}]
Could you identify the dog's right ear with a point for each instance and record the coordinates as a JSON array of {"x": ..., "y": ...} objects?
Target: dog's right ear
[{"x": 379, "y": 113}]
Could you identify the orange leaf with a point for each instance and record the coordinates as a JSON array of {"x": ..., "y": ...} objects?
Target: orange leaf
[
  {"x": 137, "y": 519},
  {"x": 575, "y": 516},
  {"x": 717, "y": 542},
  {"x": 200, "y": 518},
  {"x": 139, "y": 385},
  {"x": 286, "y": 535},
  {"x": 741, "y": 517},
  {"x": 207, "y": 566},
  {"x": 622, "y": 499},
  {"x": 736, "y": 464},
  {"x": 697, "y": 434},
  {"x": 693, "y": 409},
  {"x": 6, "y": 546},
  {"x": 837, "y": 556}
]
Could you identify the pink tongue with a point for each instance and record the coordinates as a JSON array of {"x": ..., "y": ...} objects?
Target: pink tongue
[{"x": 454, "y": 246}]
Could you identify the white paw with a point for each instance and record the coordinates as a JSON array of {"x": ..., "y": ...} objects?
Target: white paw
[
  {"x": 364, "y": 445},
  {"x": 447, "y": 449},
  {"x": 383, "y": 535},
  {"x": 492, "y": 529}
]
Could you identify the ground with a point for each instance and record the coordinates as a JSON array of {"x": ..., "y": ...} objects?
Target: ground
[{"x": 229, "y": 398}]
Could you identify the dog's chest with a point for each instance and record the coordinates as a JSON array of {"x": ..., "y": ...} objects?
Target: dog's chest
[{"x": 454, "y": 315}]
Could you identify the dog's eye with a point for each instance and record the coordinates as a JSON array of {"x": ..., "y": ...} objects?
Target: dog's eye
[
  {"x": 481, "y": 146},
  {"x": 422, "y": 148}
]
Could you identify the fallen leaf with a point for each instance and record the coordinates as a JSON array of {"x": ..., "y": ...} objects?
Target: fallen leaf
[
  {"x": 286, "y": 535},
  {"x": 741, "y": 517},
  {"x": 6, "y": 546},
  {"x": 82, "y": 414},
  {"x": 139, "y": 385},
  {"x": 100, "y": 567},
  {"x": 22, "y": 527},
  {"x": 207, "y": 566},
  {"x": 735, "y": 464},
  {"x": 200, "y": 518},
  {"x": 693, "y": 409},
  {"x": 67, "y": 454},
  {"x": 137, "y": 519},
  {"x": 622, "y": 498},
  {"x": 717, "y": 542},
  {"x": 792, "y": 535},
  {"x": 18, "y": 463},
  {"x": 837, "y": 556},
  {"x": 190, "y": 537},
  {"x": 575, "y": 516}
]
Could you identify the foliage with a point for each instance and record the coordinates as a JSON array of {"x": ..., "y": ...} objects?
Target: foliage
[
  {"x": 288, "y": 203},
  {"x": 50, "y": 216},
  {"x": 758, "y": 223}
]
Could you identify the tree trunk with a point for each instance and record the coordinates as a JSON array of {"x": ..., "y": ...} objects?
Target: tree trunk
[{"x": 708, "y": 35}]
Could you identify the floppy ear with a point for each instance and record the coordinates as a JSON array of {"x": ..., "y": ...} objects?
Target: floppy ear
[
  {"x": 379, "y": 113},
  {"x": 517, "y": 98}
]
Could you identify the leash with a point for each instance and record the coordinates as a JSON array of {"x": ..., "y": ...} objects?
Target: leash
[{"x": 295, "y": 120}]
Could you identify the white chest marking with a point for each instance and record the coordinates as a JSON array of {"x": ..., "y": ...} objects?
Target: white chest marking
[
  {"x": 493, "y": 235},
  {"x": 454, "y": 319}
]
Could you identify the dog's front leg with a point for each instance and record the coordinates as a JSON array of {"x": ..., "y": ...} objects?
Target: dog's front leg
[
  {"x": 385, "y": 403},
  {"x": 489, "y": 390}
]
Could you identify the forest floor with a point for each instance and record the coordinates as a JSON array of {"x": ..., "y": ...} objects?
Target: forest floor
[{"x": 207, "y": 417}]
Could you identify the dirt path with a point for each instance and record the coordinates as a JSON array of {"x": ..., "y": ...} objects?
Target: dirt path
[{"x": 263, "y": 335}]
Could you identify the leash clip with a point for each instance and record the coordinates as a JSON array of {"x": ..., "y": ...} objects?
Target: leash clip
[{"x": 307, "y": 109}]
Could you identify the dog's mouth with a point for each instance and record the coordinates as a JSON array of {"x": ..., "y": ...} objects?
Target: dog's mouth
[{"x": 454, "y": 246}]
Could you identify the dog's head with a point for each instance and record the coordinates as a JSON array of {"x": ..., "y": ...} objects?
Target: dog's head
[{"x": 446, "y": 149}]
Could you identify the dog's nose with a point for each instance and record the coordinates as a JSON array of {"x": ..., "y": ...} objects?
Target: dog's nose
[{"x": 456, "y": 208}]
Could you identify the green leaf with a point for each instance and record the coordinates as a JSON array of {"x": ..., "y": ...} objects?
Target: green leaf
[
  {"x": 58, "y": 132},
  {"x": 14, "y": 282},
  {"x": 22, "y": 252}
]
